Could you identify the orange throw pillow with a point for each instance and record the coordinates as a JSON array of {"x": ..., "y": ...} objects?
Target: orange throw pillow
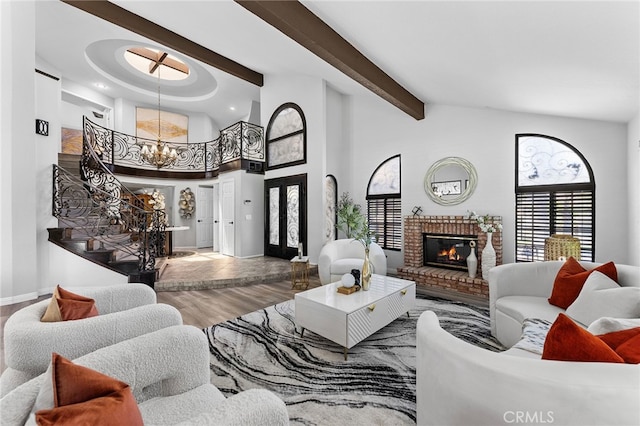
[
  {"x": 630, "y": 350},
  {"x": 65, "y": 306},
  {"x": 567, "y": 341},
  {"x": 83, "y": 396},
  {"x": 571, "y": 278},
  {"x": 626, "y": 343}
]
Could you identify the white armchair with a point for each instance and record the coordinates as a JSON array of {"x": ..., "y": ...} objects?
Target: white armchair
[
  {"x": 168, "y": 372},
  {"x": 458, "y": 383},
  {"x": 125, "y": 311},
  {"x": 341, "y": 256}
]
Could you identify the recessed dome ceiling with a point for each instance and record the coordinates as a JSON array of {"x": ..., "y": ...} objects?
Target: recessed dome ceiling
[{"x": 108, "y": 58}]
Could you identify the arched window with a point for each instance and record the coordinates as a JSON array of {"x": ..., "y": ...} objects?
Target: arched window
[
  {"x": 384, "y": 209},
  {"x": 331, "y": 212},
  {"x": 286, "y": 137},
  {"x": 555, "y": 194}
]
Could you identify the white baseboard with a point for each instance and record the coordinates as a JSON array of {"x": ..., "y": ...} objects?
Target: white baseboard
[{"x": 18, "y": 299}]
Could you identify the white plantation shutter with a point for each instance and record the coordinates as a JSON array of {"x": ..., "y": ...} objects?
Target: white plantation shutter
[{"x": 562, "y": 206}]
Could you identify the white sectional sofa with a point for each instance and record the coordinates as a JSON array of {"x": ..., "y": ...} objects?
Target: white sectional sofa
[
  {"x": 461, "y": 384},
  {"x": 520, "y": 290},
  {"x": 125, "y": 311},
  {"x": 168, "y": 372}
]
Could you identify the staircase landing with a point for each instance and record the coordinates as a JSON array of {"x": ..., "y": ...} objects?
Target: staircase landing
[{"x": 205, "y": 269}]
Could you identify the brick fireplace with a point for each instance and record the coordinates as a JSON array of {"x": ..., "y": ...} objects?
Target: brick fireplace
[{"x": 440, "y": 278}]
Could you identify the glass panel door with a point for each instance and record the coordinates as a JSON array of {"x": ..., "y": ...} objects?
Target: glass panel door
[{"x": 286, "y": 225}]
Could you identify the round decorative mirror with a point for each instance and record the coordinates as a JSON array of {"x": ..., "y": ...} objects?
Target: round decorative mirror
[{"x": 450, "y": 181}]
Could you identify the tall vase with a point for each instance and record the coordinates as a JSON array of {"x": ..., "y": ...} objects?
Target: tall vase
[
  {"x": 488, "y": 257},
  {"x": 365, "y": 278},
  {"x": 472, "y": 261}
]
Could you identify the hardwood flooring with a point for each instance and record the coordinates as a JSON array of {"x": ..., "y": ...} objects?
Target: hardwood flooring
[{"x": 202, "y": 308}]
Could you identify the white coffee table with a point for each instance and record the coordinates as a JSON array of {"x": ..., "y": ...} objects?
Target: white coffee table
[{"x": 349, "y": 319}]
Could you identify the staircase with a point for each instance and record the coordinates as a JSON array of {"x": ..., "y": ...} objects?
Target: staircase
[{"x": 102, "y": 221}]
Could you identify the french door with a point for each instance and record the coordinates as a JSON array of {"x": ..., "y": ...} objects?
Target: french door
[{"x": 285, "y": 201}]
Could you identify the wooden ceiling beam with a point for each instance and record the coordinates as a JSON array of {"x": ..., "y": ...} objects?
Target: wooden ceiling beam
[
  {"x": 307, "y": 29},
  {"x": 123, "y": 18}
]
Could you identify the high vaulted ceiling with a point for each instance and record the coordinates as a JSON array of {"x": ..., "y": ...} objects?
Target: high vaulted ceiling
[{"x": 573, "y": 58}]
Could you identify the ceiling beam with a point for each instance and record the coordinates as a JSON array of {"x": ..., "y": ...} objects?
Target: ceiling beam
[
  {"x": 122, "y": 17},
  {"x": 301, "y": 25}
]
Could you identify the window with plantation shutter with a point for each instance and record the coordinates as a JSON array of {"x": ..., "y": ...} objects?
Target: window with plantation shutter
[
  {"x": 555, "y": 194},
  {"x": 384, "y": 208}
]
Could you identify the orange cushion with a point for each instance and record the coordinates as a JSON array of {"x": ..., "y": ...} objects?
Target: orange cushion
[
  {"x": 626, "y": 343},
  {"x": 83, "y": 396},
  {"x": 571, "y": 278},
  {"x": 65, "y": 306},
  {"x": 567, "y": 341},
  {"x": 630, "y": 350}
]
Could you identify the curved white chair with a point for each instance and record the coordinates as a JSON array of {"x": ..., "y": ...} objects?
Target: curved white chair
[
  {"x": 458, "y": 383},
  {"x": 339, "y": 257},
  {"x": 124, "y": 311},
  {"x": 168, "y": 372}
]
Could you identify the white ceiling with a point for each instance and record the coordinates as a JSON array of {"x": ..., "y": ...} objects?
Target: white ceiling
[{"x": 574, "y": 58}]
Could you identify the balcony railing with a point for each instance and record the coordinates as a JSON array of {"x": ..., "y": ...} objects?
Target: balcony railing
[{"x": 238, "y": 143}]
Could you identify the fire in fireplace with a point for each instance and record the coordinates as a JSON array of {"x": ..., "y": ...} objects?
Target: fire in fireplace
[{"x": 446, "y": 250}]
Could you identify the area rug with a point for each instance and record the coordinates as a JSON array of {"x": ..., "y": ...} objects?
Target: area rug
[{"x": 375, "y": 386}]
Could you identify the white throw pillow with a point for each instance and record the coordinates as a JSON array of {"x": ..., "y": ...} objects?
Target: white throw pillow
[
  {"x": 609, "y": 325},
  {"x": 602, "y": 297},
  {"x": 44, "y": 400}
]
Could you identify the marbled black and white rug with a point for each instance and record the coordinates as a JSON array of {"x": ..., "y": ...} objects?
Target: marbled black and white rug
[{"x": 375, "y": 386}]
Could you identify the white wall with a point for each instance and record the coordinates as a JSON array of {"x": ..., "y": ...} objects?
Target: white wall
[
  {"x": 633, "y": 170},
  {"x": 18, "y": 172},
  {"x": 487, "y": 139},
  {"x": 47, "y": 107},
  {"x": 309, "y": 94},
  {"x": 249, "y": 214}
]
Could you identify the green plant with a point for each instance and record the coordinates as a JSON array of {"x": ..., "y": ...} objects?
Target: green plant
[
  {"x": 353, "y": 222},
  {"x": 350, "y": 217}
]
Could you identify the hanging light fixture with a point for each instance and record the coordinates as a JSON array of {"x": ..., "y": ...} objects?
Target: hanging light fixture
[{"x": 159, "y": 154}]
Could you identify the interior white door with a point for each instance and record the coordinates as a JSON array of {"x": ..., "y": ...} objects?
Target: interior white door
[
  {"x": 216, "y": 217},
  {"x": 204, "y": 217},
  {"x": 228, "y": 218}
]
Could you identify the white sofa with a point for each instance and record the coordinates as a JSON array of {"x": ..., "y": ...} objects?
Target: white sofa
[
  {"x": 339, "y": 257},
  {"x": 461, "y": 384},
  {"x": 520, "y": 290},
  {"x": 125, "y": 311},
  {"x": 168, "y": 372}
]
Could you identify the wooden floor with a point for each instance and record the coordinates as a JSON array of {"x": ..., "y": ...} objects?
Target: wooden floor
[{"x": 202, "y": 308}]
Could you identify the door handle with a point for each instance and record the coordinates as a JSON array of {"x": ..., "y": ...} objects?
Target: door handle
[
  {"x": 215, "y": 221},
  {"x": 230, "y": 223},
  {"x": 199, "y": 220}
]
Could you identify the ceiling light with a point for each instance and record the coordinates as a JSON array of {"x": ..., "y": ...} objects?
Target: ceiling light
[
  {"x": 149, "y": 61},
  {"x": 232, "y": 108},
  {"x": 159, "y": 154},
  {"x": 101, "y": 86}
]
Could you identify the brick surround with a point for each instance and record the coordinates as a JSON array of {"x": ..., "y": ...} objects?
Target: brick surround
[{"x": 440, "y": 278}]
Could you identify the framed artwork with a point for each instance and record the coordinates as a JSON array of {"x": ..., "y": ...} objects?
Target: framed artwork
[
  {"x": 450, "y": 187},
  {"x": 71, "y": 141},
  {"x": 173, "y": 127}
]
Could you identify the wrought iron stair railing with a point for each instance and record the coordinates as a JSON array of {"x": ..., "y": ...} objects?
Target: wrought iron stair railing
[
  {"x": 239, "y": 143},
  {"x": 102, "y": 226}
]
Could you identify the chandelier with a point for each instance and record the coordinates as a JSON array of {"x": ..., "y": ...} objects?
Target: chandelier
[{"x": 159, "y": 154}]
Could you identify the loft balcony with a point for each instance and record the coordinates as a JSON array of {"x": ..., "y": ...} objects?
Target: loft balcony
[{"x": 239, "y": 147}]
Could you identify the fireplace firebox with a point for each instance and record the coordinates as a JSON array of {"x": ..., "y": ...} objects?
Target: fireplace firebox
[{"x": 446, "y": 250}]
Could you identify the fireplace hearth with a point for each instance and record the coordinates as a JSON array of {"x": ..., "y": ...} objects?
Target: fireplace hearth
[{"x": 447, "y": 250}]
